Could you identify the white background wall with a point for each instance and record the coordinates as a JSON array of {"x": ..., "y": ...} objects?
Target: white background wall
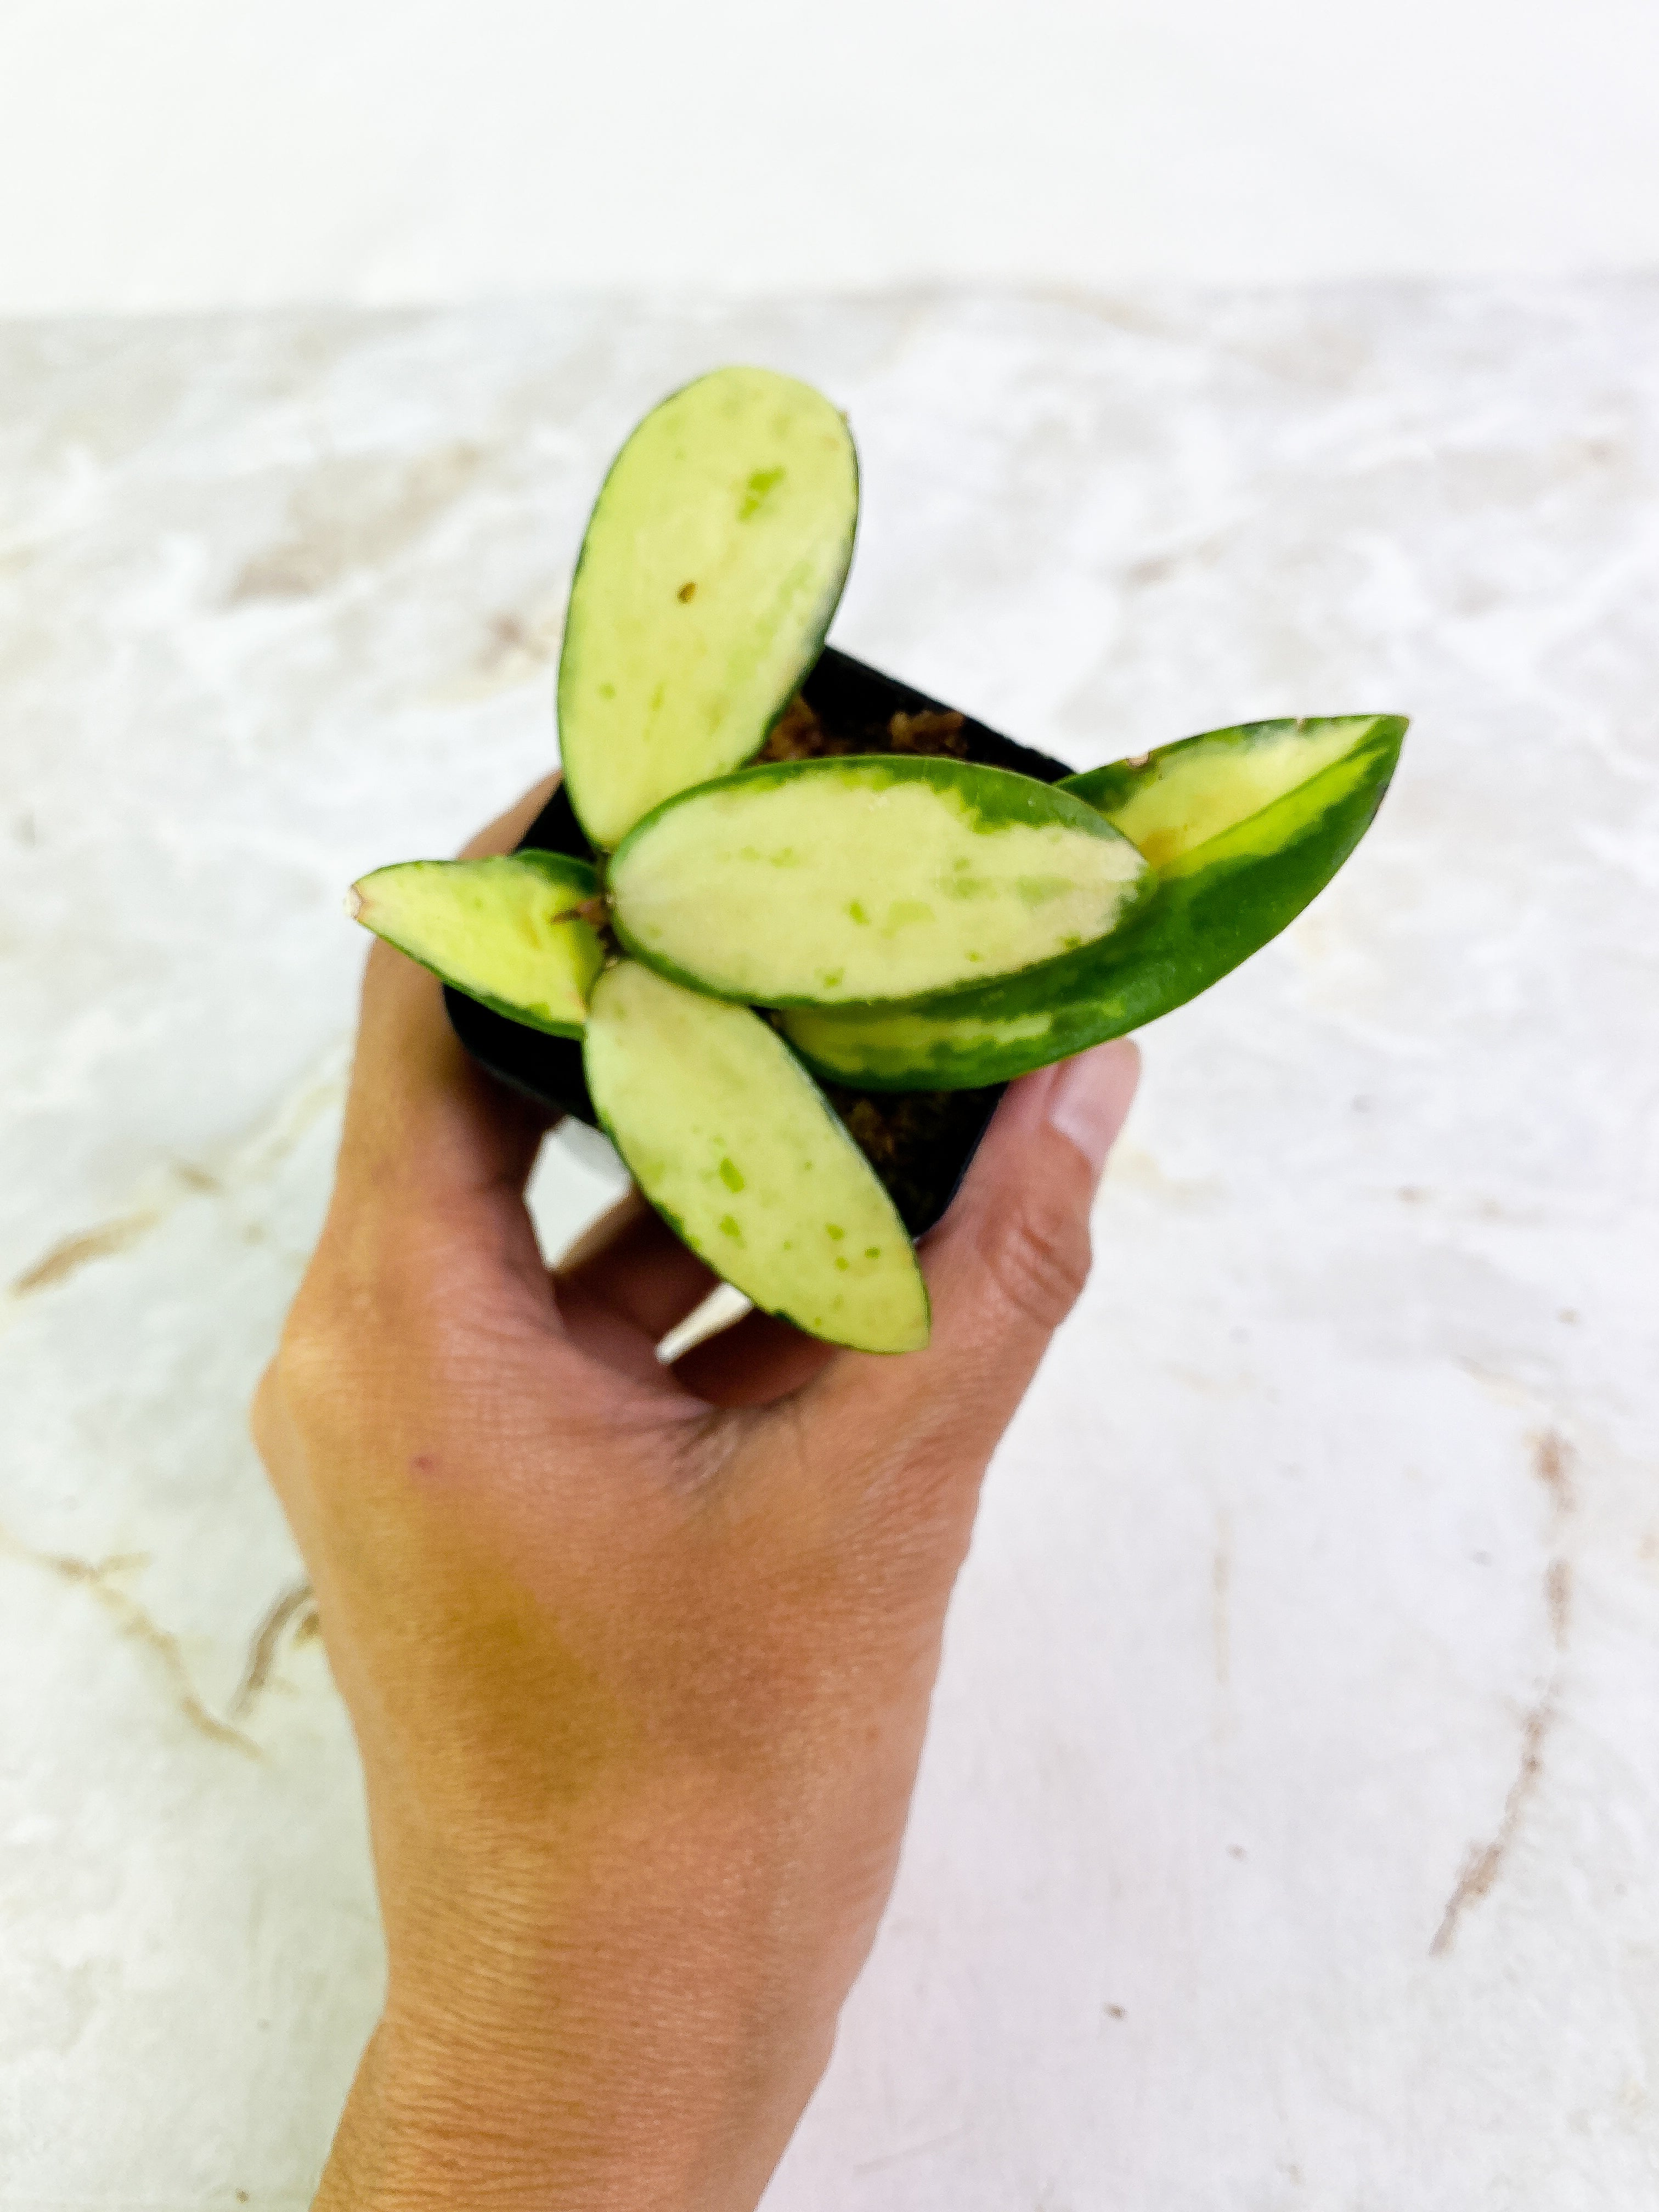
[{"x": 188, "y": 153}]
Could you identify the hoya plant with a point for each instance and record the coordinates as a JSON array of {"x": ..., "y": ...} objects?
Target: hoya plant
[{"x": 741, "y": 943}]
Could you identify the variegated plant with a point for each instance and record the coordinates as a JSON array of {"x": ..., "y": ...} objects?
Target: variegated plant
[{"x": 893, "y": 923}]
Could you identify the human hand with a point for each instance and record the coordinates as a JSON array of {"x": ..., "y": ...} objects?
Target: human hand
[{"x": 639, "y": 1658}]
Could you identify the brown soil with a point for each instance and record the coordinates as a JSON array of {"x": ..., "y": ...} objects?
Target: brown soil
[
  {"x": 918, "y": 1142},
  {"x": 800, "y": 735}
]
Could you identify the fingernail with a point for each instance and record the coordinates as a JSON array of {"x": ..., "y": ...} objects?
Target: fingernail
[{"x": 1091, "y": 1095}]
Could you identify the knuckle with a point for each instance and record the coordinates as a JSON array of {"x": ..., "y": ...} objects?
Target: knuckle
[
  {"x": 327, "y": 1352},
  {"x": 311, "y": 1356},
  {"x": 1038, "y": 1255}
]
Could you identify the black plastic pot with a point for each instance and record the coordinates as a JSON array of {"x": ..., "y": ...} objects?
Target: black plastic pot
[{"x": 919, "y": 1143}]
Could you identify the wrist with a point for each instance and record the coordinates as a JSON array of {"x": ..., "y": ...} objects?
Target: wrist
[
  {"x": 643, "y": 2037},
  {"x": 436, "y": 2121},
  {"x": 429, "y": 2127}
]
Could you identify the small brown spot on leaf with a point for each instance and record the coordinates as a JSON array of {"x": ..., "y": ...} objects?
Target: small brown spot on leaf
[{"x": 686, "y": 593}]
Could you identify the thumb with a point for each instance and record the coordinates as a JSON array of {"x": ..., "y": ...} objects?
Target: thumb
[{"x": 1004, "y": 1268}]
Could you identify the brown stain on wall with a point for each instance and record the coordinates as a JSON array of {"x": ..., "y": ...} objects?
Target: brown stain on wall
[
  {"x": 270, "y": 1142},
  {"x": 355, "y": 511},
  {"x": 296, "y": 1606},
  {"x": 1485, "y": 1862},
  {"x": 99, "y": 1578},
  {"x": 1552, "y": 1464},
  {"x": 292, "y": 1618},
  {"x": 1558, "y": 1596},
  {"x": 1552, "y": 1460},
  {"x": 71, "y": 1253}
]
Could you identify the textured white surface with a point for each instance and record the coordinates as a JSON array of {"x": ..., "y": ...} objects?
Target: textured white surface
[
  {"x": 1289, "y": 1833},
  {"x": 184, "y": 155}
]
